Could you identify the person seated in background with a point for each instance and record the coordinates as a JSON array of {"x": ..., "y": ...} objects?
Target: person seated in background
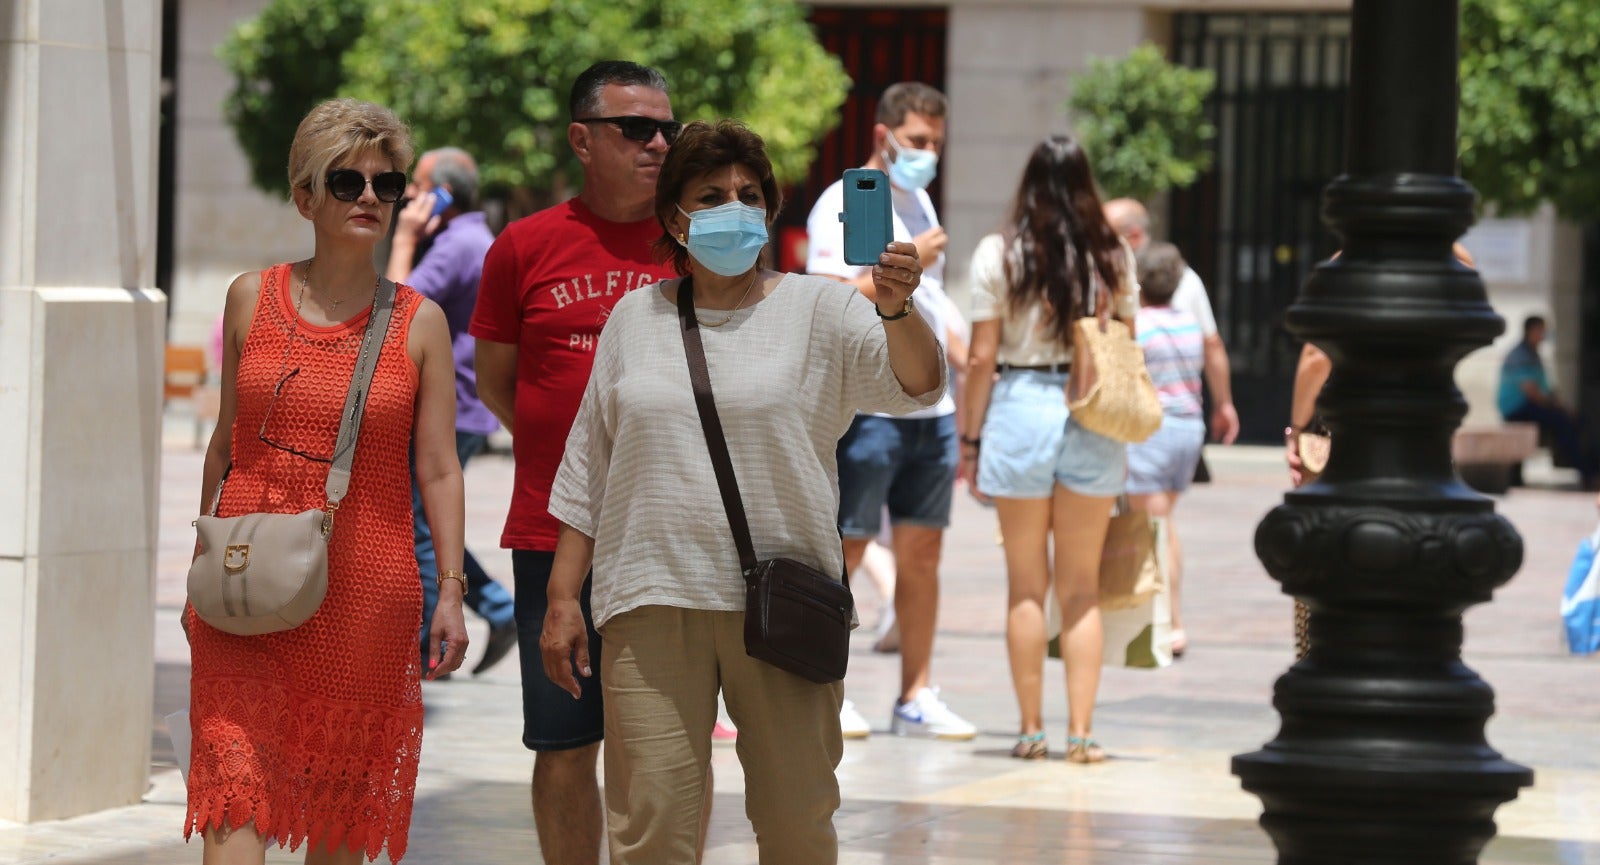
[{"x": 1525, "y": 395}]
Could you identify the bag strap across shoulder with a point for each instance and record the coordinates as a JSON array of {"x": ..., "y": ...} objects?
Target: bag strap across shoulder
[
  {"x": 355, "y": 400},
  {"x": 1099, "y": 296},
  {"x": 716, "y": 442}
]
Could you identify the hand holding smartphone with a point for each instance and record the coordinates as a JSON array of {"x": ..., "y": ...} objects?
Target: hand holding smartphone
[
  {"x": 867, "y": 218},
  {"x": 442, "y": 199}
]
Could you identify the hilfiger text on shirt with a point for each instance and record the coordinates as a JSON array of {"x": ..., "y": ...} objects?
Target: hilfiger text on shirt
[{"x": 592, "y": 288}]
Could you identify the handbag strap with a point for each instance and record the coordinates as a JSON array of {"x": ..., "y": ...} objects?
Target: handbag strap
[
  {"x": 355, "y": 400},
  {"x": 716, "y": 442},
  {"x": 1099, "y": 296}
]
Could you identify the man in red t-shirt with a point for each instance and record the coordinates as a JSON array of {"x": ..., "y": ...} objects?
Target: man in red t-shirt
[{"x": 549, "y": 283}]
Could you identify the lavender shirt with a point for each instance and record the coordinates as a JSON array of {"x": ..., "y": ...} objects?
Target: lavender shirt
[{"x": 448, "y": 274}]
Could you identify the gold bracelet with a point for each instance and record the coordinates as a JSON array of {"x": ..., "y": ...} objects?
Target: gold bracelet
[{"x": 453, "y": 574}]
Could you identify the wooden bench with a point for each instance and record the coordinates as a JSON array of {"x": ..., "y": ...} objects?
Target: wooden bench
[
  {"x": 186, "y": 379},
  {"x": 1488, "y": 457}
]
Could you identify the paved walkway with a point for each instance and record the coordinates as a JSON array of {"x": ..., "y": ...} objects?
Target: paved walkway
[{"x": 1165, "y": 796}]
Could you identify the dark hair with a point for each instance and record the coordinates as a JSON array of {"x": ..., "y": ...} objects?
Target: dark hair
[
  {"x": 907, "y": 97},
  {"x": 700, "y": 148},
  {"x": 1531, "y": 322},
  {"x": 1160, "y": 270},
  {"x": 585, "y": 98},
  {"x": 1056, "y": 233},
  {"x": 453, "y": 167}
]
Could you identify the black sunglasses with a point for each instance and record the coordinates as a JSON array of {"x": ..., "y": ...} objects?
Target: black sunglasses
[
  {"x": 347, "y": 184},
  {"x": 641, "y": 129}
]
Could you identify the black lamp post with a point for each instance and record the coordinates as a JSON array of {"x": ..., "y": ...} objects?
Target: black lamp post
[{"x": 1381, "y": 757}]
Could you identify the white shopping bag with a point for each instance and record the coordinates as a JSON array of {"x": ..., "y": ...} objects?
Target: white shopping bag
[
  {"x": 178, "y": 731},
  {"x": 1139, "y": 636}
]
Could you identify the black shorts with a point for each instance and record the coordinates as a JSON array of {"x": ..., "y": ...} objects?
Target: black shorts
[{"x": 551, "y": 719}]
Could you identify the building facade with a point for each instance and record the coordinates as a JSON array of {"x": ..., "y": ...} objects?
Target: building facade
[{"x": 1250, "y": 226}]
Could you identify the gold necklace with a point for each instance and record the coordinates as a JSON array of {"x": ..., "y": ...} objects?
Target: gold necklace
[
  {"x": 333, "y": 305},
  {"x": 755, "y": 277}
]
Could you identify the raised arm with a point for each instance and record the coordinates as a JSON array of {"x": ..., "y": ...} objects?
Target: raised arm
[{"x": 914, "y": 352}]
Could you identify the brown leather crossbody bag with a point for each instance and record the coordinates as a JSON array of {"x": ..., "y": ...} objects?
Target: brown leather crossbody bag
[{"x": 796, "y": 618}]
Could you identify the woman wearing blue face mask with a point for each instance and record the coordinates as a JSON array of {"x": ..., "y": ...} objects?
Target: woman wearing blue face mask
[{"x": 791, "y": 358}]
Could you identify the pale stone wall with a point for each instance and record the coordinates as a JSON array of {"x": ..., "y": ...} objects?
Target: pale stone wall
[
  {"x": 80, "y": 402},
  {"x": 223, "y": 226}
]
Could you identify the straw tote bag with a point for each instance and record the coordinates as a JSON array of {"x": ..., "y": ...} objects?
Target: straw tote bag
[
  {"x": 1110, "y": 391},
  {"x": 262, "y": 573}
]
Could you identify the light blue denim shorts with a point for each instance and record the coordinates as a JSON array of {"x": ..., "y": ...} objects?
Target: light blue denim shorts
[
  {"x": 1165, "y": 461},
  {"x": 1030, "y": 444}
]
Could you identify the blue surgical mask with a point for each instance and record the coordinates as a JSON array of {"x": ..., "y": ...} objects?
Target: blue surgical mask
[
  {"x": 911, "y": 169},
  {"x": 727, "y": 238}
]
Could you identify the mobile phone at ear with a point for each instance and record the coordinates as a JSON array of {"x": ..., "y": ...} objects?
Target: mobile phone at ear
[
  {"x": 442, "y": 199},
  {"x": 868, "y": 223}
]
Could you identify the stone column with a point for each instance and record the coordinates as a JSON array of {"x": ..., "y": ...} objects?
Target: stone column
[{"x": 81, "y": 340}]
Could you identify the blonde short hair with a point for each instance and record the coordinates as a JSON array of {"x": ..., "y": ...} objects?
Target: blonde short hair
[{"x": 339, "y": 130}]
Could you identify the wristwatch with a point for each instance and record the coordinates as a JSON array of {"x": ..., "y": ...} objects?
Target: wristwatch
[
  {"x": 904, "y": 311},
  {"x": 453, "y": 574}
]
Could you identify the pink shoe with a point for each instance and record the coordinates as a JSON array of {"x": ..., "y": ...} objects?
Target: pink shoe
[{"x": 724, "y": 732}]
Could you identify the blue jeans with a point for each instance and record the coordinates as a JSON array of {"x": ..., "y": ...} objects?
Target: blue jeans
[
  {"x": 1566, "y": 432},
  {"x": 486, "y": 597}
]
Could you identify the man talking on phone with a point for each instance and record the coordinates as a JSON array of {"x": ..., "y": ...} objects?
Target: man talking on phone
[
  {"x": 443, "y": 213},
  {"x": 907, "y": 463}
]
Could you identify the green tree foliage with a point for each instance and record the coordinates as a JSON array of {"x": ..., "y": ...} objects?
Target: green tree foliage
[
  {"x": 493, "y": 76},
  {"x": 284, "y": 61},
  {"x": 1142, "y": 121},
  {"x": 1530, "y": 103}
]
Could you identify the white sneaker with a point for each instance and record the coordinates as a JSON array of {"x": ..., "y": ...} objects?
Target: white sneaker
[
  {"x": 927, "y": 716},
  {"x": 852, "y": 725}
]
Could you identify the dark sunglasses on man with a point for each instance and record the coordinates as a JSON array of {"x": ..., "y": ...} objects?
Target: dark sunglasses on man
[
  {"x": 347, "y": 184},
  {"x": 640, "y": 129}
]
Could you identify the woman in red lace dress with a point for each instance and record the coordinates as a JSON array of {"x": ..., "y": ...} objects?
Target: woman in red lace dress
[{"x": 311, "y": 735}]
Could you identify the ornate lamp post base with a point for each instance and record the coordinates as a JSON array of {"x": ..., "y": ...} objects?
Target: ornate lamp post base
[{"x": 1382, "y": 756}]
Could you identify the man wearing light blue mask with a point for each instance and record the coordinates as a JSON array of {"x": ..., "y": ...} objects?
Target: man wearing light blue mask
[{"x": 906, "y": 464}]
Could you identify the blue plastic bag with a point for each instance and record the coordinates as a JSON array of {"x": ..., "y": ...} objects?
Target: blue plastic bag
[{"x": 1580, "y": 601}]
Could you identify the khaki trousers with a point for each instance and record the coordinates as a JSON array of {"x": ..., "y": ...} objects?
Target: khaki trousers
[{"x": 661, "y": 668}]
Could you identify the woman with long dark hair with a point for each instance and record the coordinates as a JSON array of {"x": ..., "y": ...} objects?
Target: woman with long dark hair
[{"x": 1052, "y": 263}]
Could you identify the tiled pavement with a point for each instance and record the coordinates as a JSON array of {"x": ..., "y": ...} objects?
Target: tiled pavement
[{"x": 1165, "y": 797}]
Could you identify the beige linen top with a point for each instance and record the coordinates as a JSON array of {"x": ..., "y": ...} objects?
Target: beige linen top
[
  {"x": 1025, "y": 339},
  {"x": 788, "y": 374}
]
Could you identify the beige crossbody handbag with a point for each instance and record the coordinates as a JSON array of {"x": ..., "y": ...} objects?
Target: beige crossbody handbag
[{"x": 263, "y": 573}]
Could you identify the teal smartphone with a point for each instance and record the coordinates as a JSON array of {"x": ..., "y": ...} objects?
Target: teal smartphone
[{"x": 868, "y": 221}]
